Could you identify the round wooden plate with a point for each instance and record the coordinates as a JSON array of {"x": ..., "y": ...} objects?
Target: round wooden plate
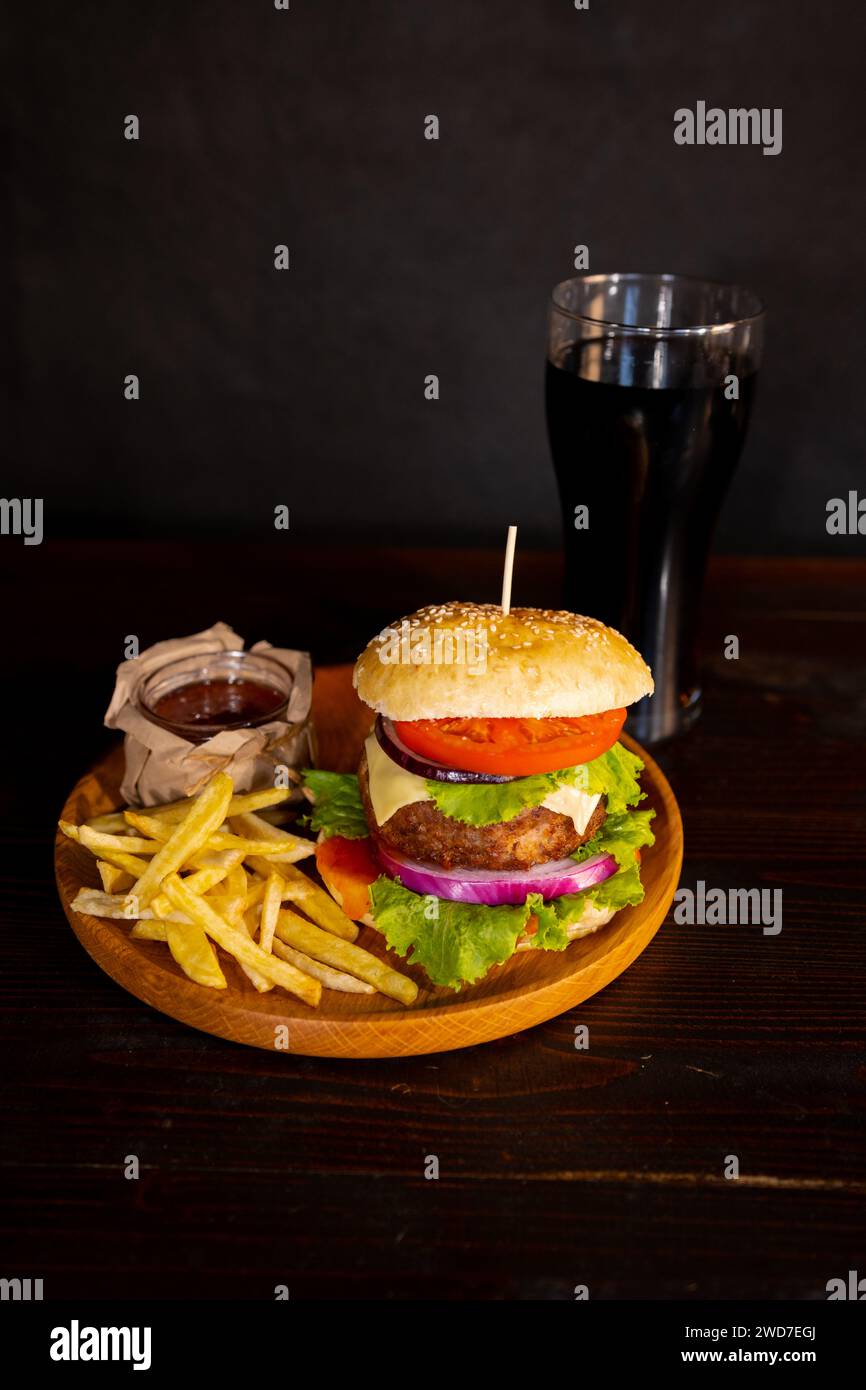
[{"x": 529, "y": 988}]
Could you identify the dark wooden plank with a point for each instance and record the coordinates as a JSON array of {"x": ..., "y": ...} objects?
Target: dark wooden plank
[{"x": 221, "y": 1233}]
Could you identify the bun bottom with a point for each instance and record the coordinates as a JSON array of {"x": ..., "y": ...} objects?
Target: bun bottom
[{"x": 593, "y": 919}]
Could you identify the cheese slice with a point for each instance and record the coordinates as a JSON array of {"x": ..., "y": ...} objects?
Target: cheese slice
[
  {"x": 392, "y": 788},
  {"x": 571, "y": 801}
]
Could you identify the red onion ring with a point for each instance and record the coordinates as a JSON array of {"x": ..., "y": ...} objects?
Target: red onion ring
[
  {"x": 494, "y": 887},
  {"x": 397, "y": 751}
]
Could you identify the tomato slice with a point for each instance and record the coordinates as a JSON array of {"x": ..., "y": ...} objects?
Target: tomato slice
[
  {"x": 512, "y": 747},
  {"x": 348, "y": 868}
]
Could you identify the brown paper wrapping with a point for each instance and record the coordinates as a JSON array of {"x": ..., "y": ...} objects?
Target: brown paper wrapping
[{"x": 162, "y": 767}]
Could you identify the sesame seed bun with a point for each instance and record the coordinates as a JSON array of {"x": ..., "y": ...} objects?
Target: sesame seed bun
[{"x": 465, "y": 660}]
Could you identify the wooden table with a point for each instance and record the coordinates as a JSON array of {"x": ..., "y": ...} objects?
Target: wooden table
[{"x": 558, "y": 1167}]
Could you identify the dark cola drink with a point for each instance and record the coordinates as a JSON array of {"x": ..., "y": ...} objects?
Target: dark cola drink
[
  {"x": 651, "y": 467},
  {"x": 646, "y": 429}
]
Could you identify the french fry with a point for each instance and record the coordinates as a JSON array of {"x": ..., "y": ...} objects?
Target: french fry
[
  {"x": 259, "y": 982},
  {"x": 194, "y": 954},
  {"x": 232, "y": 911},
  {"x": 271, "y": 900},
  {"x": 104, "y": 845},
  {"x": 114, "y": 879},
  {"x": 239, "y": 945},
  {"x": 162, "y": 830},
  {"x": 255, "y": 891},
  {"x": 112, "y": 823},
  {"x": 208, "y": 838},
  {"x": 332, "y": 979},
  {"x": 223, "y": 859},
  {"x": 148, "y": 931},
  {"x": 309, "y": 897},
  {"x": 213, "y": 870},
  {"x": 236, "y": 894},
  {"x": 254, "y": 828},
  {"x": 114, "y": 905},
  {"x": 244, "y": 801},
  {"x": 214, "y": 866},
  {"x": 277, "y": 815},
  {"x": 107, "y": 847},
  {"x": 224, "y": 839},
  {"x": 321, "y": 945},
  {"x": 189, "y": 836}
]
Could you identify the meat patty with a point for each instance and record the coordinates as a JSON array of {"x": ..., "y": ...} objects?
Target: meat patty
[{"x": 421, "y": 831}]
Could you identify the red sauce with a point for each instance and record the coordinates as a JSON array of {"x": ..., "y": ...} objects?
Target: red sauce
[{"x": 213, "y": 704}]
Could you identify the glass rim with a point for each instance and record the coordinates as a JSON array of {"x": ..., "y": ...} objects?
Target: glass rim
[
  {"x": 150, "y": 681},
  {"x": 657, "y": 331}
]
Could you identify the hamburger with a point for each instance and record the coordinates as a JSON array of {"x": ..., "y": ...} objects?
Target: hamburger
[{"x": 494, "y": 809}]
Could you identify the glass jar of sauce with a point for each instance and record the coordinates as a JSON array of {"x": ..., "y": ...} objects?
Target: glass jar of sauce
[{"x": 201, "y": 695}]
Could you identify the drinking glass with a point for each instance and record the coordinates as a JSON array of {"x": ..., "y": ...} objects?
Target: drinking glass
[{"x": 650, "y": 383}]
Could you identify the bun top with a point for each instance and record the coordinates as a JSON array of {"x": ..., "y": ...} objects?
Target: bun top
[{"x": 465, "y": 660}]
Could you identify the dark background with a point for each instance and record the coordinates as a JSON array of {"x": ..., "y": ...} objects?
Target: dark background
[{"x": 407, "y": 256}]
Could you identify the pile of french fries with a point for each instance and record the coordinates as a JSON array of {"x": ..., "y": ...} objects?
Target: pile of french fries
[{"x": 215, "y": 870}]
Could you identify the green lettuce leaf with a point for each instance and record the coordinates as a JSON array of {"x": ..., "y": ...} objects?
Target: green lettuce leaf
[
  {"x": 622, "y": 889},
  {"x": 337, "y": 808},
  {"x": 557, "y": 915},
  {"x": 620, "y": 836},
  {"x": 553, "y": 918},
  {"x": 456, "y": 943},
  {"x": 613, "y": 774},
  {"x": 488, "y": 803}
]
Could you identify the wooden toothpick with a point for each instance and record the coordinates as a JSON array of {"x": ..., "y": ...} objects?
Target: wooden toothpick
[{"x": 508, "y": 571}]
